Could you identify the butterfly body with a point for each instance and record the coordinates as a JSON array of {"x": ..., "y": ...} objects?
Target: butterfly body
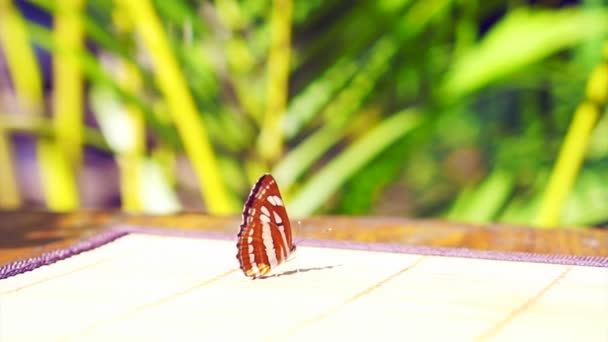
[{"x": 265, "y": 239}]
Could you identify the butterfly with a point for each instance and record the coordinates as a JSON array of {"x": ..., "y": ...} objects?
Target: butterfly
[{"x": 264, "y": 239}]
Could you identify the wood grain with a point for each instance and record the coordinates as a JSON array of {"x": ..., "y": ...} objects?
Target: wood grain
[{"x": 160, "y": 287}]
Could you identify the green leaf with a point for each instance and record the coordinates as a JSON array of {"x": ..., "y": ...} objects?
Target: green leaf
[{"x": 522, "y": 38}]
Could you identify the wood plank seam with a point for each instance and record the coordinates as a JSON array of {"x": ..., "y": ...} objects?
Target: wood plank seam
[
  {"x": 352, "y": 299},
  {"x": 92, "y": 327},
  {"x": 72, "y": 271},
  {"x": 493, "y": 331}
]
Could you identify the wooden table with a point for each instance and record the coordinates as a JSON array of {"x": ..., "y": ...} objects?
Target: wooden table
[
  {"x": 156, "y": 285},
  {"x": 28, "y": 233}
]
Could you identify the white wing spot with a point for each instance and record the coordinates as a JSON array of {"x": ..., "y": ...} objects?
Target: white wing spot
[
  {"x": 265, "y": 211},
  {"x": 277, "y": 218},
  {"x": 260, "y": 194},
  {"x": 269, "y": 245},
  {"x": 264, "y": 218},
  {"x": 276, "y": 200},
  {"x": 271, "y": 200}
]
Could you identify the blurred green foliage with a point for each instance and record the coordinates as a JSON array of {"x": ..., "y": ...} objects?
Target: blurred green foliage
[{"x": 433, "y": 108}]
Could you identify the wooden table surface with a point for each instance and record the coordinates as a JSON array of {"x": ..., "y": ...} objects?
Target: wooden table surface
[{"x": 25, "y": 234}]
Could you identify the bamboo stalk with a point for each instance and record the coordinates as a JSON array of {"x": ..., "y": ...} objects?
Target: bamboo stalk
[
  {"x": 171, "y": 82},
  {"x": 57, "y": 176},
  {"x": 58, "y": 182},
  {"x": 270, "y": 142},
  {"x": 67, "y": 79},
  {"x": 20, "y": 58},
  {"x": 572, "y": 153},
  {"x": 130, "y": 161},
  {"x": 9, "y": 196}
]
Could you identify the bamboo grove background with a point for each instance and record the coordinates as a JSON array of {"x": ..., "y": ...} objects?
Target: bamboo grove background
[{"x": 470, "y": 110}]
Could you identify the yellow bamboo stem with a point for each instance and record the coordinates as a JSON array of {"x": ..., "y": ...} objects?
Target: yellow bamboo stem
[
  {"x": 573, "y": 150},
  {"x": 130, "y": 162},
  {"x": 130, "y": 171},
  {"x": 9, "y": 195},
  {"x": 57, "y": 176},
  {"x": 67, "y": 80},
  {"x": 57, "y": 180},
  {"x": 19, "y": 58},
  {"x": 191, "y": 129},
  {"x": 270, "y": 143}
]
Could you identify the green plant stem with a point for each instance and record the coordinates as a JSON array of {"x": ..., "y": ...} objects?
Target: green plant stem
[
  {"x": 43, "y": 127},
  {"x": 322, "y": 92},
  {"x": 343, "y": 106},
  {"x": 299, "y": 159},
  {"x": 483, "y": 202},
  {"x": 181, "y": 104},
  {"x": 329, "y": 179}
]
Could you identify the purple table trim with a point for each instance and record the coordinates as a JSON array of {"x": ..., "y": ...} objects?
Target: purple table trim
[{"x": 117, "y": 232}]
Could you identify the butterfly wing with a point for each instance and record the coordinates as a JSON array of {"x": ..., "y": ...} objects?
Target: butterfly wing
[{"x": 265, "y": 239}]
